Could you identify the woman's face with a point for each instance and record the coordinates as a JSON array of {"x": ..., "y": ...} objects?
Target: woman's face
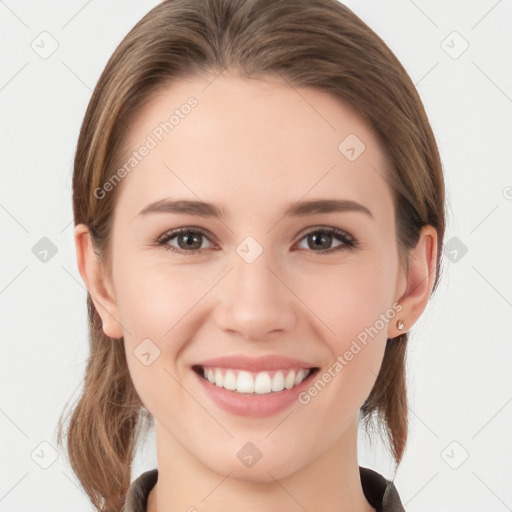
[{"x": 254, "y": 281}]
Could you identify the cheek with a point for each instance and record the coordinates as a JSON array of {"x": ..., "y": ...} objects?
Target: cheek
[
  {"x": 355, "y": 313},
  {"x": 353, "y": 304},
  {"x": 350, "y": 297},
  {"x": 153, "y": 297},
  {"x": 153, "y": 305}
]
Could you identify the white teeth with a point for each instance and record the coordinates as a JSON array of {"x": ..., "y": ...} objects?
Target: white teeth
[
  {"x": 278, "y": 382},
  {"x": 229, "y": 381},
  {"x": 299, "y": 377},
  {"x": 290, "y": 380},
  {"x": 262, "y": 384},
  {"x": 219, "y": 378},
  {"x": 245, "y": 383}
]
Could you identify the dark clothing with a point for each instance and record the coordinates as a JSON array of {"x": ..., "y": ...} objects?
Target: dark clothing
[{"x": 380, "y": 493}]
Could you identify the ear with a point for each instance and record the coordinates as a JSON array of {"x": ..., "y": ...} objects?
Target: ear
[
  {"x": 418, "y": 281},
  {"x": 96, "y": 281}
]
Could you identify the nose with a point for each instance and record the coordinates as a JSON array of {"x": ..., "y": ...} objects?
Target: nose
[{"x": 256, "y": 302}]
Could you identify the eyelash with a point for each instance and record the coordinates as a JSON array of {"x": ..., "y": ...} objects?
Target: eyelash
[{"x": 349, "y": 242}]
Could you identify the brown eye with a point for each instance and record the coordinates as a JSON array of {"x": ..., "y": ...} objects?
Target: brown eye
[
  {"x": 187, "y": 240},
  {"x": 320, "y": 240}
]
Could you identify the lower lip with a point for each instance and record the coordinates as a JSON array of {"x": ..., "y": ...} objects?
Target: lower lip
[{"x": 253, "y": 404}]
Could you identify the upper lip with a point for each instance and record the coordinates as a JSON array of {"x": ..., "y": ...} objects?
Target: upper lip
[{"x": 255, "y": 364}]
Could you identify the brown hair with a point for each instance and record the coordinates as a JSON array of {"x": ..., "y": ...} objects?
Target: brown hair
[{"x": 309, "y": 43}]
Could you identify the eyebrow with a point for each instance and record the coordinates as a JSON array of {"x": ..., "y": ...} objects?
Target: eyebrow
[{"x": 300, "y": 209}]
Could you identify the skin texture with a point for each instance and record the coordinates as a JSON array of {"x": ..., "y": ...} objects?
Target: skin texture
[{"x": 254, "y": 147}]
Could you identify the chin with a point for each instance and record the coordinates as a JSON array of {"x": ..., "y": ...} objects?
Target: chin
[{"x": 270, "y": 466}]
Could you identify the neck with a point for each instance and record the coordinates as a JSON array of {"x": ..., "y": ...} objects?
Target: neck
[{"x": 330, "y": 483}]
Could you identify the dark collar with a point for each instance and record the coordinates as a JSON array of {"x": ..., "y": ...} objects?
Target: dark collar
[{"x": 380, "y": 493}]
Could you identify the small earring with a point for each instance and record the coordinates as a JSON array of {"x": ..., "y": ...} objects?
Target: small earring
[{"x": 399, "y": 325}]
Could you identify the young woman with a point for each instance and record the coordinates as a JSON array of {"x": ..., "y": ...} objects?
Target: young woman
[{"x": 259, "y": 217}]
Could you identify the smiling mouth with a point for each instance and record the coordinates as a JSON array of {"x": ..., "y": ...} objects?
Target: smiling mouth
[{"x": 261, "y": 383}]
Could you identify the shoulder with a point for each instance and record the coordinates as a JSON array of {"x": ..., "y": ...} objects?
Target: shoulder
[
  {"x": 380, "y": 492},
  {"x": 138, "y": 492}
]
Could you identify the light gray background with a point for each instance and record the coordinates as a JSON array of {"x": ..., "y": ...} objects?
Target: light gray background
[{"x": 459, "y": 455}]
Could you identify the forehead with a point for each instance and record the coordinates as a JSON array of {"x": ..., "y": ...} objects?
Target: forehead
[{"x": 252, "y": 142}]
